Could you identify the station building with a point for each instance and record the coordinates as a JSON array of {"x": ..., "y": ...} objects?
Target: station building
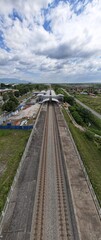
[{"x": 49, "y": 96}]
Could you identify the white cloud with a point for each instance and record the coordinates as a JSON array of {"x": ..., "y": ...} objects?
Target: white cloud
[
  {"x": 72, "y": 47},
  {"x": 25, "y": 6},
  {"x": 84, "y": 28}
]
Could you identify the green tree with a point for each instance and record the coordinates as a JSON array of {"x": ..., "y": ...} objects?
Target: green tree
[
  {"x": 89, "y": 135},
  {"x": 9, "y": 106},
  {"x": 5, "y": 97},
  {"x": 16, "y": 94},
  {"x": 77, "y": 117},
  {"x": 13, "y": 98},
  {"x": 70, "y": 100}
]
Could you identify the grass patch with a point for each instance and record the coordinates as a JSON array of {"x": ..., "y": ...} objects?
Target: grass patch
[
  {"x": 90, "y": 154},
  {"x": 12, "y": 145},
  {"x": 83, "y": 116},
  {"x": 90, "y": 101}
]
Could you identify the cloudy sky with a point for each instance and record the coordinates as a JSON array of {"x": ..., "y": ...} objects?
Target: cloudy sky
[{"x": 50, "y": 41}]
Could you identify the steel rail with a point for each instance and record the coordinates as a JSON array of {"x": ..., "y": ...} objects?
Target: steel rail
[
  {"x": 64, "y": 226},
  {"x": 69, "y": 215},
  {"x": 40, "y": 195}
]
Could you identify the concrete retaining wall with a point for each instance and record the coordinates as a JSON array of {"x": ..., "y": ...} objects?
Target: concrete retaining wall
[
  {"x": 85, "y": 173},
  {"x": 18, "y": 172}
]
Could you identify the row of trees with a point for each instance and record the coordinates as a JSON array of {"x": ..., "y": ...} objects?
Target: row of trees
[
  {"x": 81, "y": 115},
  {"x": 23, "y": 89},
  {"x": 11, "y": 99},
  {"x": 3, "y": 85},
  {"x": 84, "y": 117},
  {"x": 69, "y": 99}
]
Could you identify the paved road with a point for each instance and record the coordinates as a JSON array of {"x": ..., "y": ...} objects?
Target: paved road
[{"x": 83, "y": 105}]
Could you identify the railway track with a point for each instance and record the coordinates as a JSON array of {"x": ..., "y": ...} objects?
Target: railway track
[{"x": 53, "y": 217}]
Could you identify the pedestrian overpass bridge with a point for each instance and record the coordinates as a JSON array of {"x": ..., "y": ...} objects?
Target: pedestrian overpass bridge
[{"x": 49, "y": 96}]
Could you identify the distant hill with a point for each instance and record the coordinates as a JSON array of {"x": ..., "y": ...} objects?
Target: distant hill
[{"x": 12, "y": 80}]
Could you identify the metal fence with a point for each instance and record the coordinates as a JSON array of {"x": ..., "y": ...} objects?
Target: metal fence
[{"x": 16, "y": 127}]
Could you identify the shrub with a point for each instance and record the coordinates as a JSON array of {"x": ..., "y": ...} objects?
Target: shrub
[
  {"x": 70, "y": 100},
  {"x": 89, "y": 135},
  {"x": 77, "y": 117}
]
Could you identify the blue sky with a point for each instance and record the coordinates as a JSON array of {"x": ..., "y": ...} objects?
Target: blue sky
[{"x": 50, "y": 41}]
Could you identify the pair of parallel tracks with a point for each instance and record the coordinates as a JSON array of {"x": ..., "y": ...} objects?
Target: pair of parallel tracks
[{"x": 52, "y": 222}]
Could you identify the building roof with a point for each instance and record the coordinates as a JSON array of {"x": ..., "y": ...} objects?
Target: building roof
[
  {"x": 48, "y": 99},
  {"x": 53, "y": 93}
]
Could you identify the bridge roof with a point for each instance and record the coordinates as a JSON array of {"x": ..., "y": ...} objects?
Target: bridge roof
[
  {"x": 53, "y": 93},
  {"x": 48, "y": 93},
  {"x": 45, "y": 100},
  {"x": 48, "y": 99},
  {"x": 55, "y": 100}
]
